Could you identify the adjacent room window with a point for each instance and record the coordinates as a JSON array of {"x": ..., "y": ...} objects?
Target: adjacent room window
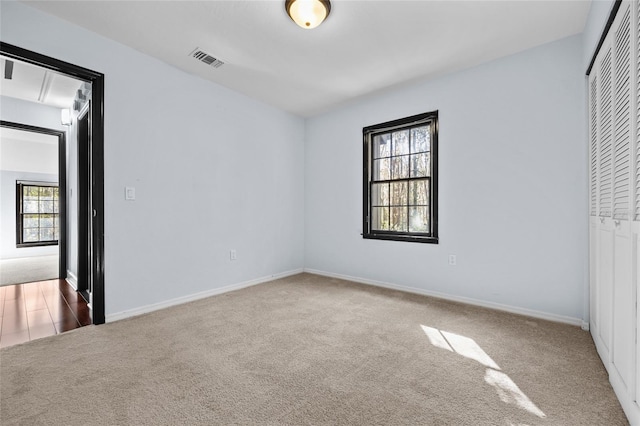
[
  {"x": 400, "y": 179},
  {"x": 38, "y": 220}
]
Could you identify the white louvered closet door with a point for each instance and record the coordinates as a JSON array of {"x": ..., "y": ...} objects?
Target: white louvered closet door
[
  {"x": 593, "y": 144},
  {"x": 623, "y": 349},
  {"x": 593, "y": 196},
  {"x": 635, "y": 178},
  {"x": 622, "y": 117},
  {"x": 614, "y": 203},
  {"x": 602, "y": 330},
  {"x": 636, "y": 62},
  {"x": 605, "y": 108}
]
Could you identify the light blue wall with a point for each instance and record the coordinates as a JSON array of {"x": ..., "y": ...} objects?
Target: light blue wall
[
  {"x": 513, "y": 185},
  {"x": 213, "y": 170}
]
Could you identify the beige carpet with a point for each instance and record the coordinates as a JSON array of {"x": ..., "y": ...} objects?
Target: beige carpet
[
  {"x": 28, "y": 269},
  {"x": 311, "y": 350}
]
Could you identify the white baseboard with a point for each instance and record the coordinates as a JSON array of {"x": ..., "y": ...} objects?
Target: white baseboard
[
  {"x": 476, "y": 302},
  {"x": 189, "y": 298},
  {"x": 72, "y": 280}
]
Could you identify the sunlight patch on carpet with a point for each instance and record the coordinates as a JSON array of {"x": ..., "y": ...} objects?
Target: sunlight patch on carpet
[
  {"x": 507, "y": 390},
  {"x": 461, "y": 345}
]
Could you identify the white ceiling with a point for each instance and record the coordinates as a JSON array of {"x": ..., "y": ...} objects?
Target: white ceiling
[
  {"x": 363, "y": 46},
  {"x": 36, "y": 84}
]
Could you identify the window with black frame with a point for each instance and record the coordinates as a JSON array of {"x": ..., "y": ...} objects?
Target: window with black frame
[
  {"x": 400, "y": 179},
  {"x": 38, "y": 219}
]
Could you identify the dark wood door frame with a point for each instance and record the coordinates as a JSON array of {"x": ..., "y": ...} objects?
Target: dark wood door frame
[
  {"x": 62, "y": 185},
  {"x": 96, "y": 157},
  {"x": 84, "y": 177}
]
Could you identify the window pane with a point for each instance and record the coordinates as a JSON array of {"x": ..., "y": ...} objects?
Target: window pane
[
  {"x": 31, "y": 192},
  {"x": 398, "y": 219},
  {"x": 420, "y": 139},
  {"x": 382, "y": 146},
  {"x": 420, "y": 165},
  {"x": 381, "y": 169},
  {"x": 30, "y": 235},
  {"x": 419, "y": 192},
  {"x": 46, "y": 193},
  {"x": 380, "y": 194},
  {"x": 46, "y": 221},
  {"x": 419, "y": 219},
  {"x": 55, "y": 193},
  {"x": 46, "y": 206},
  {"x": 46, "y": 234},
  {"x": 56, "y": 234},
  {"x": 401, "y": 142},
  {"x": 30, "y": 221},
  {"x": 400, "y": 167},
  {"x": 380, "y": 218},
  {"x": 55, "y": 206},
  {"x": 30, "y": 207},
  {"x": 399, "y": 193}
]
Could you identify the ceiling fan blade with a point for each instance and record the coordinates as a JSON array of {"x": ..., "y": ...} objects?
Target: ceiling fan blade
[{"x": 8, "y": 69}]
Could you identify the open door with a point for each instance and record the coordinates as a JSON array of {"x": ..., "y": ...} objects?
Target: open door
[{"x": 84, "y": 220}]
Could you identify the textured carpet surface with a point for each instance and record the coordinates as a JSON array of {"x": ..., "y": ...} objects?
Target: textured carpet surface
[
  {"x": 28, "y": 269},
  {"x": 311, "y": 350}
]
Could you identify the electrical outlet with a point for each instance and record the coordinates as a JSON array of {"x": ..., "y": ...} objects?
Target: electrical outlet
[
  {"x": 453, "y": 259},
  {"x": 233, "y": 254}
]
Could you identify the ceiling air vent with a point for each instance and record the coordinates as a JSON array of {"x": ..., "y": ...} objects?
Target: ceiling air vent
[{"x": 206, "y": 58}]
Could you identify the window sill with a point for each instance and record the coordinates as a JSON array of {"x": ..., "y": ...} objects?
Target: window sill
[
  {"x": 37, "y": 244},
  {"x": 400, "y": 237}
]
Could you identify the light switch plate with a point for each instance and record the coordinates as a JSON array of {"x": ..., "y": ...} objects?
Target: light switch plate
[{"x": 129, "y": 193}]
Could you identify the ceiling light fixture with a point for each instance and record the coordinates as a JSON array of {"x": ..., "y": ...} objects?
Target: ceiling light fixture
[{"x": 308, "y": 14}]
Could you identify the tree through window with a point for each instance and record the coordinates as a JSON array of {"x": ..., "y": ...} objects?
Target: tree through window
[
  {"x": 400, "y": 179},
  {"x": 38, "y": 218}
]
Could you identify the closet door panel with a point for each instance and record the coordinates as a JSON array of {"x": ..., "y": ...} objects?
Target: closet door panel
[
  {"x": 623, "y": 307},
  {"x": 605, "y": 234},
  {"x": 594, "y": 309},
  {"x": 605, "y": 289},
  {"x": 635, "y": 256}
]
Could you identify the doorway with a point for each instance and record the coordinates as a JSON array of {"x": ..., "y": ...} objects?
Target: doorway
[
  {"x": 38, "y": 175},
  {"x": 91, "y": 196}
]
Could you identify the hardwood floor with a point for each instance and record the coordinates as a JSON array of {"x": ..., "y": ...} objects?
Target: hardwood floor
[{"x": 34, "y": 310}]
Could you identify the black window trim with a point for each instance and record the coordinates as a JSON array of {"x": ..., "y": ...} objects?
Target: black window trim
[
  {"x": 367, "y": 133},
  {"x": 19, "y": 200}
]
